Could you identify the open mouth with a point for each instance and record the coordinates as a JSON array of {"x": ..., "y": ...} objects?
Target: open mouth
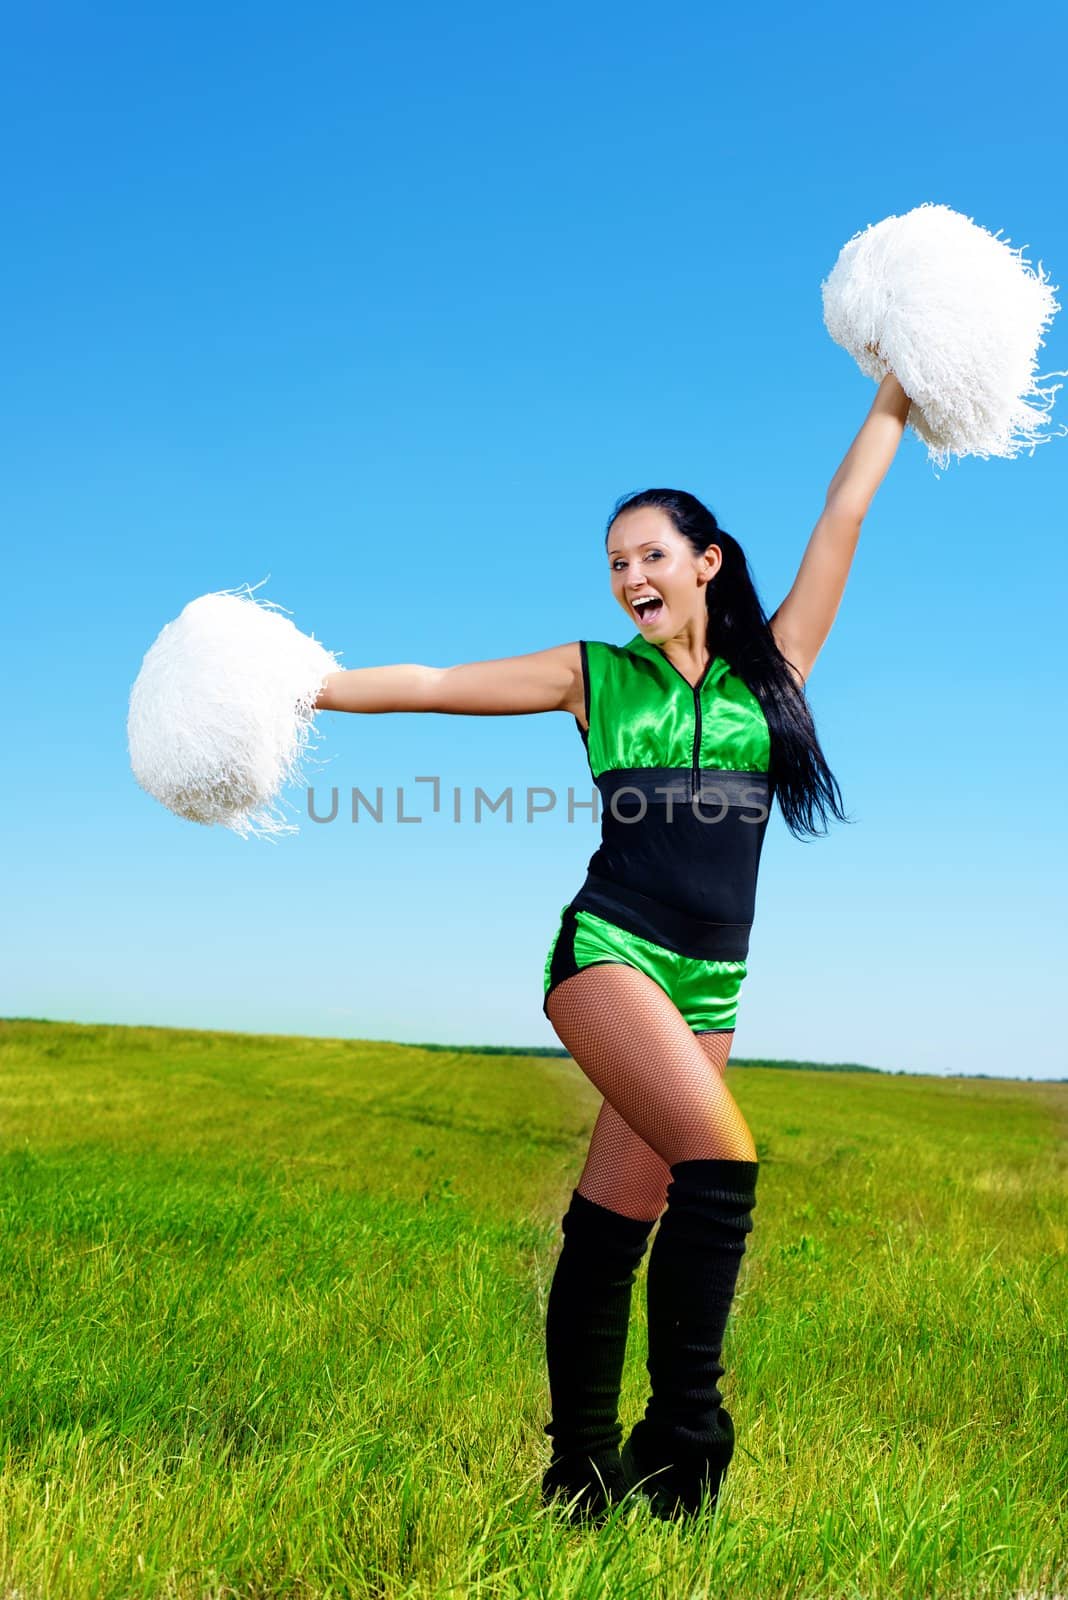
[{"x": 648, "y": 610}]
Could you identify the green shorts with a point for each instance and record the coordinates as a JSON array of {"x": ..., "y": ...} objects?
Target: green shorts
[{"x": 706, "y": 992}]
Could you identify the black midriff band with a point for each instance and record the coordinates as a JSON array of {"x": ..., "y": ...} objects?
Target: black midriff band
[{"x": 650, "y": 919}]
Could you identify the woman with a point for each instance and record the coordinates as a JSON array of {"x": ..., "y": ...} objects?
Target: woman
[{"x": 691, "y": 729}]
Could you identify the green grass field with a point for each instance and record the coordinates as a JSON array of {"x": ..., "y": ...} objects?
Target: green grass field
[{"x": 272, "y": 1315}]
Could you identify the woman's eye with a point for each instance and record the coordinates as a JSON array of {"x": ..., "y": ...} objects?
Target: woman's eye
[{"x": 659, "y": 554}]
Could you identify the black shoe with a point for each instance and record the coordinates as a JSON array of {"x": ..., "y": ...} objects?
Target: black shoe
[
  {"x": 597, "y": 1481},
  {"x": 677, "y": 1480}
]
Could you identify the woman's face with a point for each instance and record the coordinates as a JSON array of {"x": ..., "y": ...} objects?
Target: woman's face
[{"x": 649, "y": 559}]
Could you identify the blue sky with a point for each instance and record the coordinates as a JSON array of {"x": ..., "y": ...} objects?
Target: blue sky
[{"x": 399, "y": 303}]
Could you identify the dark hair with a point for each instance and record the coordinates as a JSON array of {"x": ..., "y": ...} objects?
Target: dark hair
[{"x": 738, "y": 630}]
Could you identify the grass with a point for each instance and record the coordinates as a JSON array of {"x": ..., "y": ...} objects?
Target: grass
[{"x": 272, "y": 1313}]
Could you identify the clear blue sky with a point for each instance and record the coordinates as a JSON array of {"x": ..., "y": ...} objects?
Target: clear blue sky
[{"x": 392, "y": 305}]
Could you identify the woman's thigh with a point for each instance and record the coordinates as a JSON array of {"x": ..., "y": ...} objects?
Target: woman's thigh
[
  {"x": 624, "y": 1173},
  {"x": 631, "y": 1041}
]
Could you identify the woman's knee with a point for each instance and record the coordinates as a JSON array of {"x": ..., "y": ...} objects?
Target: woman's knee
[{"x": 622, "y": 1171}]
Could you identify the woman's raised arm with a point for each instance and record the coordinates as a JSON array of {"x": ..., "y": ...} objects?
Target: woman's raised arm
[
  {"x": 801, "y": 624},
  {"x": 546, "y": 680}
]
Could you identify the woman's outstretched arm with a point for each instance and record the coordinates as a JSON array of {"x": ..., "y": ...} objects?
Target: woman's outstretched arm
[
  {"x": 803, "y": 621},
  {"x": 546, "y": 680}
]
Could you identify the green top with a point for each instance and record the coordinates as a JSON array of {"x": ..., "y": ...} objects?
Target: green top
[{"x": 643, "y": 712}]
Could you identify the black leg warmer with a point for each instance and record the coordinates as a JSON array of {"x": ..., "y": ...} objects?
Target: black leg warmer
[
  {"x": 686, "y": 1438},
  {"x": 586, "y": 1338}
]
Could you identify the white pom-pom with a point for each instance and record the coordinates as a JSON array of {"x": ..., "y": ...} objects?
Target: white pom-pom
[
  {"x": 957, "y": 316},
  {"x": 221, "y": 711}
]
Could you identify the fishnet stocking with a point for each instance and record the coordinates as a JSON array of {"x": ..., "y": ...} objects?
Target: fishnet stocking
[
  {"x": 665, "y": 1098},
  {"x": 622, "y": 1172}
]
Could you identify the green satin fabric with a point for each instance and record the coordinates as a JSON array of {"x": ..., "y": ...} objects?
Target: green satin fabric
[
  {"x": 706, "y": 992},
  {"x": 642, "y": 713}
]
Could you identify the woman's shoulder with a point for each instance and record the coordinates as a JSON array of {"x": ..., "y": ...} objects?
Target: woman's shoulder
[{"x": 614, "y": 652}]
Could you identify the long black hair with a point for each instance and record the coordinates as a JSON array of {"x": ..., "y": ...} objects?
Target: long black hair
[{"x": 738, "y": 630}]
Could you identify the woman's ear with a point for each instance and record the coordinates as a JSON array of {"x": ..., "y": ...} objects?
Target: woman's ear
[{"x": 713, "y": 560}]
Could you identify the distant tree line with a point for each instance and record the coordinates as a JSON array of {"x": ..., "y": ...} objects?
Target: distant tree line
[
  {"x": 735, "y": 1061},
  {"x": 556, "y": 1050}
]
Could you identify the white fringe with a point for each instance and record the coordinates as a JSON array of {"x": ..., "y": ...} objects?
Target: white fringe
[
  {"x": 221, "y": 711},
  {"x": 957, "y": 315}
]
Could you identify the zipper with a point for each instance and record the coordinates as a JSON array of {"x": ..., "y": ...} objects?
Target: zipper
[{"x": 695, "y": 688}]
